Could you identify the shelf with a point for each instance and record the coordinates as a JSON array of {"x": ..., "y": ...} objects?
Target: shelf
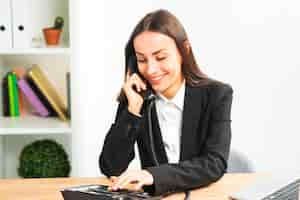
[
  {"x": 37, "y": 51},
  {"x": 33, "y": 125}
]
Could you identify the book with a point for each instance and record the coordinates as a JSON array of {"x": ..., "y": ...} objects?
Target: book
[
  {"x": 68, "y": 94},
  {"x": 11, "y": 98},
  {"x": 5, "y": 97},
  {"x": 42, "y": 98},
  {"x": 48, "y": 90},
  {"x": 15, "y": 94},
  {"x": 20, "y": 73},
  {"x": 32, "y": 98}
]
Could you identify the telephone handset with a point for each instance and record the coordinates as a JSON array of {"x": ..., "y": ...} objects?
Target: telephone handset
[
  {"x": 132, "y": 66},
  {"x": 147, "y": 96}
]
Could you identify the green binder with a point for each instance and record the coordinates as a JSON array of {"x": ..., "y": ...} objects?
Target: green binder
[
  {"x": 16, "y": 94},
  {"x": 11, "y": 95}
]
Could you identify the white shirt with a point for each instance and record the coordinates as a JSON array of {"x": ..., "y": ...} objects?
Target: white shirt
[{"x": 169, "y": 113}]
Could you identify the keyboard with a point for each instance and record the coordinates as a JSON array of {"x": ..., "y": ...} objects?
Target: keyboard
[
  {"x": 276, "y": 187},
  {"x": 101, "y": 192},
  {"x": 289, "y": 192}
]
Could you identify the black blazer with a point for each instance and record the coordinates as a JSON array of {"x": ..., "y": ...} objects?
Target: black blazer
[{"x": 205, "y": 141}]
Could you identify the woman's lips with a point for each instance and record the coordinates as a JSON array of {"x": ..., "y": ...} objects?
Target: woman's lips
[{"x": 156, "y": 79}]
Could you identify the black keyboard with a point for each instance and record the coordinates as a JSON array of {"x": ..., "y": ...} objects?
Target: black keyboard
[
  {"x": 101, "y": 192},
  {"x": 289, "y": 192}
]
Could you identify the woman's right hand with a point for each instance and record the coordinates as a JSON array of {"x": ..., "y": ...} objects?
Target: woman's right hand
[{"x": 135, "y": 100}]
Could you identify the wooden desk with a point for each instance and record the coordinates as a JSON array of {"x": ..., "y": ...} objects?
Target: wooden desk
[{"x": 49, "y": 189}]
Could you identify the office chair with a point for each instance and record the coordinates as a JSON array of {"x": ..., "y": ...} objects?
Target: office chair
[{"x": 239, "y": 163}]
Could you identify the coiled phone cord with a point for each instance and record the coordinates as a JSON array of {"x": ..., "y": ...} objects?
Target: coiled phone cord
[{"x": 151, "y": 100}]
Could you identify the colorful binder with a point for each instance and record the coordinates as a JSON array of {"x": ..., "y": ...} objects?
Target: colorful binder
[
  {"x": 47, "y": 89},
  {"x": 32, "y": 98},
  {"x": 15, "y": 94},
  {"x": 68, "y": 94},
  {"x": 20, "y": 73},
  {"x": 42, "y": 98},
  {"x": 5, "y": 97}
]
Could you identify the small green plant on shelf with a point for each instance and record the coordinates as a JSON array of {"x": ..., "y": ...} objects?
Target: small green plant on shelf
[
  {"x": 58, "y": 23},
  {"x": 44, "y": 159}
]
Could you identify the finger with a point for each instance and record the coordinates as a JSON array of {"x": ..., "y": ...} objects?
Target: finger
[
  {"x": 139, "y": 186},
  {"x": 144, "y": 86},
  {"x": 109, "y": 188},
  {"x": 139, "y": 79},
  {"x": 137, "y": 86},
  {"x": 141, "y": 85},
  {"x": 128, "y": 180},
  {"x": 121, "y": 178},
  {"x": 131, "y": 177},
  {"x": 134, "y": 83},
  {"x": 113, "y": 178},
  {"x": 124, "y": 181}
]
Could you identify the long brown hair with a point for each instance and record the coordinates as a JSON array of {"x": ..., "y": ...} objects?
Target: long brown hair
[{"x": 162, "y": 21}]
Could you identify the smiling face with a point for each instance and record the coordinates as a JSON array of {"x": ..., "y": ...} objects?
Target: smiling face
[{"x": 159, "y": 62}]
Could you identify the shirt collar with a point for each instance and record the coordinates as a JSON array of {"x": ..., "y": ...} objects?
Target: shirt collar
[{"x": 178, "y": 99}]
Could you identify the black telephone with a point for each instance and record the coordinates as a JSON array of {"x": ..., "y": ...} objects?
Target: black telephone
[
  {"x": 148, "y": 95},
  {"x": 100, "y": 192},
  {"x": 131, "y": 64}
]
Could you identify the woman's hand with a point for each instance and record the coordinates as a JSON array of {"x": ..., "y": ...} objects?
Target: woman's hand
[
  {"x": 135, "y": 100},
  {"x": 137, "y": 177}
]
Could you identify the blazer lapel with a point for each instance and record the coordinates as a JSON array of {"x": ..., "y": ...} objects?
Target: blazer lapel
[{"x": 191, "y": 116}]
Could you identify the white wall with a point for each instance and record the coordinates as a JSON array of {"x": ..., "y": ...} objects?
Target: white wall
[
  {"x": 87, "y": 86},
  {"x": 253, "y": 45}
]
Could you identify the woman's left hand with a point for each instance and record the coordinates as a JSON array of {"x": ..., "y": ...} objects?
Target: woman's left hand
[{"x": 137, "y": 177}]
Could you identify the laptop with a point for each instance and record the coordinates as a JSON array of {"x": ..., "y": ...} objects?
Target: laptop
[{"x": 275, "y": 187}]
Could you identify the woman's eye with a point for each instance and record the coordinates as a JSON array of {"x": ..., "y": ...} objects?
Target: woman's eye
[
  {"x": 161, "y": 58},
  {"x": 141, "y": 61}
]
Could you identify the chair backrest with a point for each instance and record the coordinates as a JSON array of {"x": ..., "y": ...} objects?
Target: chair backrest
[{"x": 239, "y": 163}]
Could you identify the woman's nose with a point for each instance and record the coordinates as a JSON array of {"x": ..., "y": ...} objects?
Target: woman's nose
[{"x": 152, "y": 67}]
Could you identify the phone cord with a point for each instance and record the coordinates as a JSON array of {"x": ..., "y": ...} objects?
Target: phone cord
[
  {"x": 187, "y": 192},
  {"x": 151, "y": 133}
]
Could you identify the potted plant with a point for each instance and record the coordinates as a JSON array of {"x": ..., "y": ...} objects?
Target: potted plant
[
  {"x": 44, "y": 159},
  {"x": 52, "y": 34}
]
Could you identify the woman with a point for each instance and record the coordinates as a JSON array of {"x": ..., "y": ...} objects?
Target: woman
[{"x": 190, "y": 114}]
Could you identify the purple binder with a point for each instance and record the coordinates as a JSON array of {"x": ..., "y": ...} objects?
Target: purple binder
[{"x": 32, "y": 98}]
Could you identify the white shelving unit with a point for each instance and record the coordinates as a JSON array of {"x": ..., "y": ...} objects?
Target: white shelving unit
[
  {"x": 16, "y": 132},
  {"x": 37, "y": 51},
  {"x": 33, "y": 125}
]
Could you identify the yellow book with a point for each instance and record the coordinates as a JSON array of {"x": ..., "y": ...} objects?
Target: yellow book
[{"x": 47, "y": 89}]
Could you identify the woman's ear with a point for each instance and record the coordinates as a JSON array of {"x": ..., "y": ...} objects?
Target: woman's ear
[{"x": 187, "y": 46}]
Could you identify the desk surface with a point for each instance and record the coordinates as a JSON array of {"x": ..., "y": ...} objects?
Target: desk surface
[{"x": 48, "y": 189}]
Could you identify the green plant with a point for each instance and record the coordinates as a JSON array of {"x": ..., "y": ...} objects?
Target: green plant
[
  {"x": 58, "y": 23},
  {"x": 44, "y": 159}
]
